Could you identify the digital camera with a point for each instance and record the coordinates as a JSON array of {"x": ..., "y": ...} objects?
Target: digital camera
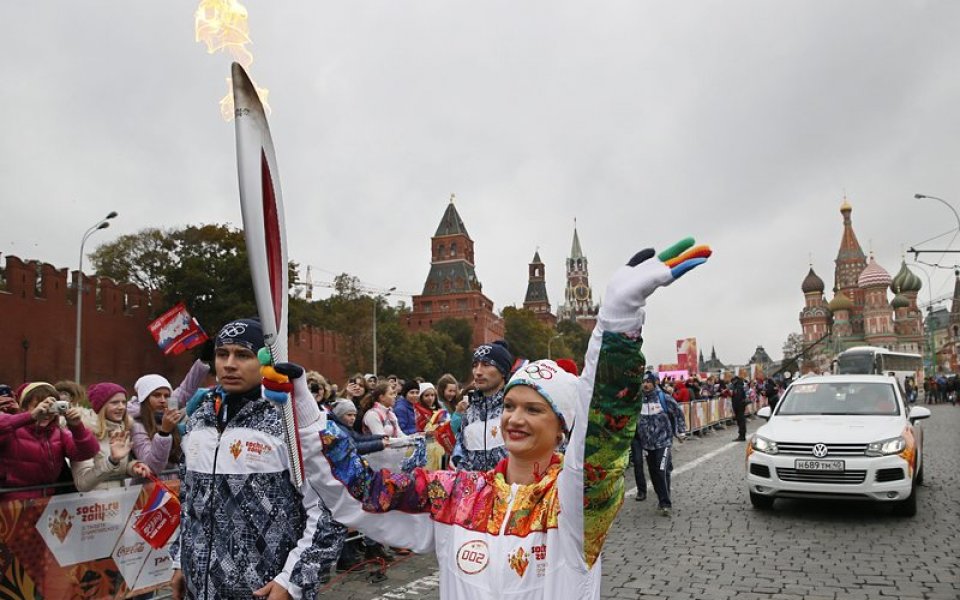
[{"x": 60, "y": 407}]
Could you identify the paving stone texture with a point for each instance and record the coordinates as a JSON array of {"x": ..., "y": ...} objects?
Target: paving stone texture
[{"x": 716, "y": 547}]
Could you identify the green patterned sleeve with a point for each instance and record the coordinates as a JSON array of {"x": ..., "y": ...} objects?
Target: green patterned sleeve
[{"x": 611, "y": 423}]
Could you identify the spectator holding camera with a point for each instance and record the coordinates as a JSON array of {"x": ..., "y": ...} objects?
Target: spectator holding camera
[
  {"x": 113, "y": 425},
  {"x": 33, "y": 446},
  {"x": 8, "y": 404}
]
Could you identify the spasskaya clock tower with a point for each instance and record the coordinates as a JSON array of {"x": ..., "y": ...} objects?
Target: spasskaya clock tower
[{"x": 578, "y": 296}]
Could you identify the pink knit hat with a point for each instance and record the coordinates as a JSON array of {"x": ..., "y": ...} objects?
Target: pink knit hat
[{"x": 99, "y": 393}]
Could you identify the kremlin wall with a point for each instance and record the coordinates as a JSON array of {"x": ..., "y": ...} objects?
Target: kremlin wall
[
  {"x": 39, "y": 316},
  {"x": 38, "y": 331}
]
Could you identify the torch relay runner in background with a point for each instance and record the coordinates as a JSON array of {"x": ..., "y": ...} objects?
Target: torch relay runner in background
[{"x": 533, "y": 527}]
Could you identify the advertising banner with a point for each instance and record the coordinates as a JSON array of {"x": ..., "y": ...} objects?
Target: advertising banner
[
  {"x": 687, "y": 356},
  {"x": 79, "y": 545}
]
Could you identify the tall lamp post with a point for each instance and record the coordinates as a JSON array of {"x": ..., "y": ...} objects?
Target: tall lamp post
[
  {"x": 376, "y": 301},
  {"x": 928, "y": 354},
  {"x": 101, "y": 224},
  {"x": 944, "y": 202},
  {"x": 550, "y": 343}
]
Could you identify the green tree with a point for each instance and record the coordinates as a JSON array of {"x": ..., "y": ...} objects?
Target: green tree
[
  {"x": 141, "y": 258},
  {"x": 461, "y": 334},
  {"x": 204, "y": 266},
  {"x": 574, "y": 341},
  {"x": 528, "y": 336}
]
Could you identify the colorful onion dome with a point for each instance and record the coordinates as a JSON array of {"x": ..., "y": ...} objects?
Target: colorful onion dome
[
  {"x": 899, "y": 301},
  {"x": 840, "y": 302},
  {"x": 811, "y": 283},
  {"x": 874, "y": 276},
  {"x": 905, "y": 280}
]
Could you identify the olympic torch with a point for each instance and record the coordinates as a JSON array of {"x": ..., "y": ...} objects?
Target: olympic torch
[{"x": 264, "y": 229}]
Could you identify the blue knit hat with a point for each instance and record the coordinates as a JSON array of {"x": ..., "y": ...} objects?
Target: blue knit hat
[
  {"x": 496, "y": 354},
  {"x": 242, "y": 332}
]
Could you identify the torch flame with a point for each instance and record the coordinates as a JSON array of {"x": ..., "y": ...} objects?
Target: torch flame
[{"x": 222, "y": 26}]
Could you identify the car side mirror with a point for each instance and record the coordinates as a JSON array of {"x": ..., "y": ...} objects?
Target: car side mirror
[
  {"x": 918, "y": 412},
  {"x": 764, "y": 413}
]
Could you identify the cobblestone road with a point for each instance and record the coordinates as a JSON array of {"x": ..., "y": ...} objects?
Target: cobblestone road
[{"x": 717, "y": 547}]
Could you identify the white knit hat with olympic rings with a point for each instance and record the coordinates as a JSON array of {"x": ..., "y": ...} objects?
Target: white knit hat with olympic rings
[{"x": 558, "y": 387}]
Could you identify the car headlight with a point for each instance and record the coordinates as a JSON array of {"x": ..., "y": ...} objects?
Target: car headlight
[
  {"x": 885, "y": 447},
  {"x": 764, "y": 445}
]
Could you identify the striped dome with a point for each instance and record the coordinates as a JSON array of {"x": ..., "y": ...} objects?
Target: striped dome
[
  {"x": 874, "y": 276},
  {"x": 905, "y": 280},
  {"x": 811, "y": 283},
  {"x": 840, "y": 302}
]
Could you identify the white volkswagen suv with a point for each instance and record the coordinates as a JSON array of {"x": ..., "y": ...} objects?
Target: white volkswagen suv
[{"x": 845, "y": 437}]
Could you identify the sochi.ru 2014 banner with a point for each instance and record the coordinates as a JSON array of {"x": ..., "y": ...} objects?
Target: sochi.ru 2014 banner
[
  {"x": 175, "y": 331},
  {"x": 687, "y": 355},
  {"x": 79, "y": 546}
]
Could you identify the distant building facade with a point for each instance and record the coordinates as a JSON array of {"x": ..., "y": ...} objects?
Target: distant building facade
[
  {"x": 452, "y": 289},
  {"x": 578, "y": 296},
  {"x": 860, "y": 312},
  {"x": 536, "y": 300}
]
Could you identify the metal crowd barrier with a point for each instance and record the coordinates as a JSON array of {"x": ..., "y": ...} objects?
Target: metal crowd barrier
[
  {"x": 69, "y": 544},
  {"x": 704, "y": 415},
  {"x": 80, "y": 544}
]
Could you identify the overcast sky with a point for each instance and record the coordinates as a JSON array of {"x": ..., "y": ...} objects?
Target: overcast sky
[{"x": 740, "y": 123}]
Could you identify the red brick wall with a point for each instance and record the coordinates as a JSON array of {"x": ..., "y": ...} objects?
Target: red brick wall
[
  {"x": 37, "y": 305},
  {"x": 473, "y": 307}
]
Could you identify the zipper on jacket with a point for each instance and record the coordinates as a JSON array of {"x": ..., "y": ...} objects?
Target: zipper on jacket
[
  {"x": 212, "y": 503},
  {"x": 509, "y": 511},
  {"x": 506, "y": 519}
]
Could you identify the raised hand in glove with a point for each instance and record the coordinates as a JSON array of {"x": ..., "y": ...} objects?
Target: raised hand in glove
[{"x": 631, "y": 285}]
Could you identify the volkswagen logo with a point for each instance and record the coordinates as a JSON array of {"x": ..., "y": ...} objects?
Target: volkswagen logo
[{"x": 819, "y": 450}]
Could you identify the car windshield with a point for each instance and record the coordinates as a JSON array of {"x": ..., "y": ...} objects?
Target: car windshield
[{"x": 835, "y": 398}]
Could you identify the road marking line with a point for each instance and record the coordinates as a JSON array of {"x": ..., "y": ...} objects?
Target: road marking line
[
  {"x": 417, "y": 586},
  {"x": 429, "y": 582},
  {"x": 690, "y": 465}
]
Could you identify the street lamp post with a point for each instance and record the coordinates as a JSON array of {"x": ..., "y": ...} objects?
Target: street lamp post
[
  {"x": 944, "y": 202},
  {"x": 376, "y": 301},
  {"x": 550, "y": 343},
  {"x": 101, "y": 224},
  {"x": 928, "y": 354}
]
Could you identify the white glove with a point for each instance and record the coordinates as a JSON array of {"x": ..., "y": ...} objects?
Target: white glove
[{"x": 622, "y": 309}]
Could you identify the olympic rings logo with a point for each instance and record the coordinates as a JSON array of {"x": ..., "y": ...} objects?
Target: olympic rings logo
[
  {"x": 539, "y": 371},
  {"x": 482, "y": 351},
  {"x": 233, "y": 330}
]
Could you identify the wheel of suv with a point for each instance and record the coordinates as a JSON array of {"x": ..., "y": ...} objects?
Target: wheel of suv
[
  {"x": 919, "y": 478},
  {"x": 761, "y": 502},
  {"x": 908, "y": 507}
]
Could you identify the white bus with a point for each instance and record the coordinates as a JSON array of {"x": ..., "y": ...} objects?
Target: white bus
[{"x": 871, "y": 360}]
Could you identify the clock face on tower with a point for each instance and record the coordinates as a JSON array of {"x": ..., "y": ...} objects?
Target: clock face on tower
[{"x": 580, "y": 292}]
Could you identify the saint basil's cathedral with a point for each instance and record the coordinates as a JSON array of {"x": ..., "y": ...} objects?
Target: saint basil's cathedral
[{"x": 860, "y": 311}]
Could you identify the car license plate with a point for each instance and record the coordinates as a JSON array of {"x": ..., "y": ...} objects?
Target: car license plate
[{"x": 818, "y": 465}]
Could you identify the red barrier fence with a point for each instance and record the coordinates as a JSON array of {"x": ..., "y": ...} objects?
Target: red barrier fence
[
  {"x": 705, "y": 414},
  {"x": 79, "y": 545}
]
